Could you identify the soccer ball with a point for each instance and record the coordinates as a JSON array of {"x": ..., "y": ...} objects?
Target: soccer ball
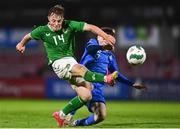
[{"x": 136, "y": 55}]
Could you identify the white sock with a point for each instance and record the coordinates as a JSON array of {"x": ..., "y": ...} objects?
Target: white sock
[{"x": 62, "y": 115}]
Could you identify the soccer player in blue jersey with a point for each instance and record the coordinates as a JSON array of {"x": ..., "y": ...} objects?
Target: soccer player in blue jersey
[{"x": 98, "y": 57}]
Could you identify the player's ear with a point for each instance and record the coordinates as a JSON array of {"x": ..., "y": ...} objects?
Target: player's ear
[
  {"x": 62, "y": 18},
  {"x": 48, "y": 17}
]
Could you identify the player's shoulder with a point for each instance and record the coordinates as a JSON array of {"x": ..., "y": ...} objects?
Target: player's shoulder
[
  {"x": 72, "y": 22},
  {"x": 68, "y": 22},
  {"x": 65, "y": 22}
]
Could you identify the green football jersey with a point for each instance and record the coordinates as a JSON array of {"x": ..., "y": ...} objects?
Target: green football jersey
[{"x": 61, "y": 43}]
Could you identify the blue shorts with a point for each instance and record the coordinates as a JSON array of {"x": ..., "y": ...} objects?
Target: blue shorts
[{"x": 97, "y": 95}]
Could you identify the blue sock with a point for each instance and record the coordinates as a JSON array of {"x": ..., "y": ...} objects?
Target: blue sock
[{"x": 87, "y": 121}]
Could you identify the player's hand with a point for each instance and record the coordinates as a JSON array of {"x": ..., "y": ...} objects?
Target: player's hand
[
  {"x": 110, "y": 39},
  {"x": 20, "y": 48},
  {"x": 139, "y": 86}
]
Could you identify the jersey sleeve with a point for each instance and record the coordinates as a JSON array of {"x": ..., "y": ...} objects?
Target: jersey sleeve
[
  {"x": 114, "y": 67},
  {"x": 36, "y": 33},
  {"x": 77, "y": 26}
]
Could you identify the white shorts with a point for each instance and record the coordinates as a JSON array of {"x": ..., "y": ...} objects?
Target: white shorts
[{"x": 62, "y": 67}]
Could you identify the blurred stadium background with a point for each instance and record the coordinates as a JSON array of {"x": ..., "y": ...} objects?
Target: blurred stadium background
[{"x": 154, "y": 24}]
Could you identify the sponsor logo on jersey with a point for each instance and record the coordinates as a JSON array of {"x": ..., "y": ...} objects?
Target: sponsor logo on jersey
[{"x": 47, "y": 34}]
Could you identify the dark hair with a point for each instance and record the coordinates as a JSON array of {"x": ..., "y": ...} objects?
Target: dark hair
[
  {"x": 109, "y": 30},
  {"x": 57, "y": 9}
]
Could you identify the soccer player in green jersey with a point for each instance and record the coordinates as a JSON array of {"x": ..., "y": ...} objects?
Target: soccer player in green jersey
[{"x": 58, "y": 37}]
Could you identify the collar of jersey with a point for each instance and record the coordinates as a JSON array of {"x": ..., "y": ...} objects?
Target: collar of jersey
[{"x": 50, "y": 27}]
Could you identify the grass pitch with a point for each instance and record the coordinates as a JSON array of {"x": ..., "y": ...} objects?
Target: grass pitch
[{"x": 37, "y": 114}]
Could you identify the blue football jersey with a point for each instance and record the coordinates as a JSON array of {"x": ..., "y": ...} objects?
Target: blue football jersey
[{"x": 98, "y": 60}]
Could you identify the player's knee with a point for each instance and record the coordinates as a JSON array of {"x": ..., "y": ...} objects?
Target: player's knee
[
  {"x": 86, "y": 96},
  {"x": 101, "y": 117},
  {"x": 78, "y": 70},
  {"x": 84, "y": 93},
  {"x": 80, "y": 67}
]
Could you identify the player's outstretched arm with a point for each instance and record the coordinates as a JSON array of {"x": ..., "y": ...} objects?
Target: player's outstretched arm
[
  {"x": 96, "y": 30},
  {"x": 21, "y": 45},
  {"x": 139, "y": 86}
]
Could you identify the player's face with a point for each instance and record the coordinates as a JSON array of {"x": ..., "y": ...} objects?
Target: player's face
[{"x": 55, "y": 21}]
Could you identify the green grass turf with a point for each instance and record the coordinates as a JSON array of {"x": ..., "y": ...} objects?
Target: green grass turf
[{"x": 37, "y": 114}]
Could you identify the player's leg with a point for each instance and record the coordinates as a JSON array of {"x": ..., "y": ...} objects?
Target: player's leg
[
  {"x": 99, "y": 114},
  {"x": 84, "y": 95},
  {"x": 96, "y": 106},
  {"x": 62, "y": 68},
  {"x": 99, "y": 110},
  {"x": 81, "y": 70},
  {"x": 83, "y": 90},
  {"x": 67, "y": 67}
]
